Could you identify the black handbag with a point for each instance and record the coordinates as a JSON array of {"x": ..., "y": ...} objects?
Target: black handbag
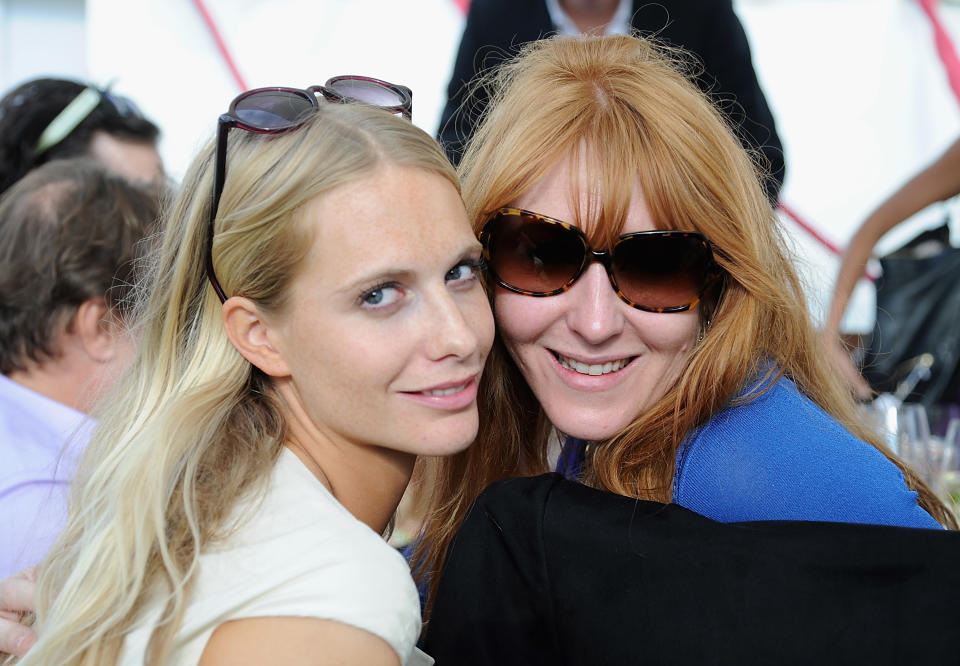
[{"x": 918, "y": 313}]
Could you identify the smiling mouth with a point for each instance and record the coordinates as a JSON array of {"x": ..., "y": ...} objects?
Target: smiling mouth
[
  {"x": 446, "y": 391},
  {"x": 593, "y": 370}
]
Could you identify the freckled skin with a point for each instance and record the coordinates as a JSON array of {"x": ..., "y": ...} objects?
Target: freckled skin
[{"x": 354, "y": 350}]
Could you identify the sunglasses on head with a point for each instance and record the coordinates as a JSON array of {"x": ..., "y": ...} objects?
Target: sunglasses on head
[
  {"x": 276, "y": 110},
  {"x": 78, "y": 110},
  {"x": 655, "y": 271}
]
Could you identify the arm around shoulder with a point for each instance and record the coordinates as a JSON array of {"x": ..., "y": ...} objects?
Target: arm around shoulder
[{"x": 296, "y": 641}]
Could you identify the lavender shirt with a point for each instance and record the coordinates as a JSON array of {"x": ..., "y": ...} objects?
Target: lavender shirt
[{"x": 40, "y": 441}]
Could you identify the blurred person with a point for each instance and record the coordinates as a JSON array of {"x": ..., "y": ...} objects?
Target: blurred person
[
  {"x": 650, "y": 320},
  {"x": 46, "y": 119},
  {"x": 69, "y": 232},
  {"x": 305, "y": 333},
  {"x": 938, "y": 181},
  {"x": 709, "y": 29}
]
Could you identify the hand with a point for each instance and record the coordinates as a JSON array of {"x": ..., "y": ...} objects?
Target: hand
[
  {"x": 840, "y": 357},
  {"x": 16, "y": 598}
]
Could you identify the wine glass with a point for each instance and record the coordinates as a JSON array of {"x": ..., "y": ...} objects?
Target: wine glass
[
  {"x": 947, "y": 483},
  {"x": 914, "y": 444}
]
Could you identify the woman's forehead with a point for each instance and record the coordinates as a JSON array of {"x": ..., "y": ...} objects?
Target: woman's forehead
[{"x": 579, "y": 189}]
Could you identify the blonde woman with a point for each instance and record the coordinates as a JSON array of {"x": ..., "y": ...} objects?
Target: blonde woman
[
  {"x": 649, "y": 316},
  {"x": 305, "y": 332}
]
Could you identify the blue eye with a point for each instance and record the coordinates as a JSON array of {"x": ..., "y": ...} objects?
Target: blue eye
[
  {"x": 381, "y": 296},
  {"x": 465, "y": 271}
]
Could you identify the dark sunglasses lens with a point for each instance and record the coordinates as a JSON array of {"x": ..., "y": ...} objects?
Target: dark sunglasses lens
[
  {"x": 533, "y": 255},
  {"x": 668, "y": 271},
  {"x": 273, "y": 109},
  {"x": 121, "y": 106},
  {"x": 367, "y": 92}
]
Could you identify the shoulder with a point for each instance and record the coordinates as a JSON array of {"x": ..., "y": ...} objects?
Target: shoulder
[
  {"x": 509, "y": 513},
  {"x": 300, "y": 553},
  {"x": 504, "y": 528},
  {"x": 38, "y": 433},
  {"x": 527, "y": 517},
  {"x": 288, "y": 640},
  {"x": 775, "y": 418},
  {"x": 523, "y": 494},
  {"x": 779, "y": 456}
]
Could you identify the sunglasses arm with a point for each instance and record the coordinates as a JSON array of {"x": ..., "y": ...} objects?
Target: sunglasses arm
[{"x": 224, "y": 124}]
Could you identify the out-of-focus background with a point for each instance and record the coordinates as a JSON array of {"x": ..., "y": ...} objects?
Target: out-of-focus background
[{"x": 860, "y": 96}]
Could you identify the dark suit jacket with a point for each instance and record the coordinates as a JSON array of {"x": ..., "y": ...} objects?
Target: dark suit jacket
[
  {"x": 548, "y": 571},
  {"x": 709, "y": 29}
]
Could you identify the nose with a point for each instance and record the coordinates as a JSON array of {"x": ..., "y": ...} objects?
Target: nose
[
  {"x": 594, "y": 311},
  {"x": 450, "y": 329}
]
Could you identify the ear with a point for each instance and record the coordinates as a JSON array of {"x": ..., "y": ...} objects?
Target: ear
[
  {"x": 252, "y": 335},
  {"x": 96, "y": 334}
]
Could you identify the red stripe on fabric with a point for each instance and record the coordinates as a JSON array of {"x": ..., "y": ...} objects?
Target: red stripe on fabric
[
  {"x": 820, "y": 238},
  {"x": 809, "y": 229},
  {"x": 462, "y": 5},
  {"x": 220, "y": 43},
  {"x": 945, "y": 47}
]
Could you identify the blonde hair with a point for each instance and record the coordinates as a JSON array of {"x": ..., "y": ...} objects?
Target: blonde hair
[
  {"x": 574, "y": 97},
  {"x": 192, "y": 426}
]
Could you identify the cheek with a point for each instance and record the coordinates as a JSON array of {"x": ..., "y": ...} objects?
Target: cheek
[
  {"x": 479, "y": 317},
  {"x": 666, "y": 333},
  {"x": 323, "y": 363},
  {"x": 522, "y": 319}
]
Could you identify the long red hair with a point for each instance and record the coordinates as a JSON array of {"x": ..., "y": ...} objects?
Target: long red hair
[{"x": 575, "y": 97}]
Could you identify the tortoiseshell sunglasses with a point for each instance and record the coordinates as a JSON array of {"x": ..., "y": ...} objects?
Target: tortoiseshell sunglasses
[{"x": 655, "y": 271}]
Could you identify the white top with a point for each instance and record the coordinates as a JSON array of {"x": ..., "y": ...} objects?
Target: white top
[
  {"x": 619, "y": 23},
  {"x": 36, "y": 465},
  {"x": 297, "y": 552}
]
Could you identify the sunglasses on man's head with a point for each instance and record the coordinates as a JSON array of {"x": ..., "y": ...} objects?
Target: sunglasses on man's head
[
  {"x": 656, "y": 271},
  {"x": 78, "y": 110},
  {"x": 275, "y": 110}
]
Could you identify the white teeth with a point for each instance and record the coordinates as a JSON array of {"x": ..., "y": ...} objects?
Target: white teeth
[
  {"x": 598, "y": 369},
  {"x": 449, "y": 391}
]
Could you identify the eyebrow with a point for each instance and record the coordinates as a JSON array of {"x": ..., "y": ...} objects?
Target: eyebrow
[{"x": 400, "y": 274}]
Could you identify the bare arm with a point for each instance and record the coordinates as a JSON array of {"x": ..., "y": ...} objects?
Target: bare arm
[
  {"x": 296, "y": 641},
  {"x": 16, "y": 597},
  {"x": 938, "y": 181}
]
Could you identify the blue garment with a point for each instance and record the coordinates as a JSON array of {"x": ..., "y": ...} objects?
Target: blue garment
[{"x": 781, "y": 457}]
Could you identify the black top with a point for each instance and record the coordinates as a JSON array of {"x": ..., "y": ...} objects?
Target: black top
[
  {"x": 548, "y": 571},
  {"x": 709, "y": 29}
]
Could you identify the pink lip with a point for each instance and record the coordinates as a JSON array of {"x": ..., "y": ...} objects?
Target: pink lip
[
  {"x": 580, "y": 382},
  {"x": 452, "y": 402}
]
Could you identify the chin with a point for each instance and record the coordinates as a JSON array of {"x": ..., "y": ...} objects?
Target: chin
[
  {"x": 443, "y": 442},
  {"x": 586, "y": 430}
]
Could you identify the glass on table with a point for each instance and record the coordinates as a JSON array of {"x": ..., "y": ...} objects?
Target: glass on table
[
  {"x": 947, "y": 483},
  {"x": 914, "y": 443}
]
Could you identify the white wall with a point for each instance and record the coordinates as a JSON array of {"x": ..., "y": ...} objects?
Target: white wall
[
  {"x": 41, "y": 37},
  {"x": 862, "y": 103},
  {"x": 858, "y": 92},
  {"x": 169, "y": 63}
]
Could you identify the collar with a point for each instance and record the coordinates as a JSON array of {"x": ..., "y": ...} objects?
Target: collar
[
  {"x": 54, "y": 423},
  {"x": 619, "y": 23}
]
